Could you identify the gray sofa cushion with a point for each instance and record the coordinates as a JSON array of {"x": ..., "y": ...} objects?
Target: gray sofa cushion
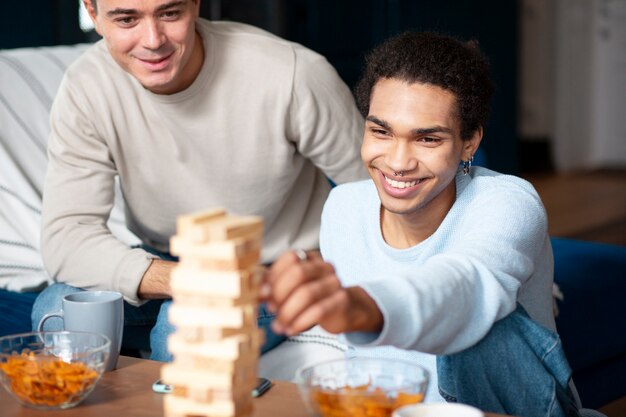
[{"x": 29, "y": 79}]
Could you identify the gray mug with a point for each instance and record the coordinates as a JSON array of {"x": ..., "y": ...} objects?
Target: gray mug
[{"x": 94, "y": 311}]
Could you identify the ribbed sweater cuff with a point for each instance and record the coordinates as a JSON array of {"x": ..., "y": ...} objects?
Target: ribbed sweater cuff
[{"x": 132, "y": 269}]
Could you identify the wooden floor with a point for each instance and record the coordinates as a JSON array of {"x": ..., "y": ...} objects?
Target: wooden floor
[
  {"x": 587, "y": 206},
  {"x": 615, "y": 409}
]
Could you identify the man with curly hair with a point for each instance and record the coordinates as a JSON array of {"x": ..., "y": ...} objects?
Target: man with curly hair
[{"x": 432, "y": 260}]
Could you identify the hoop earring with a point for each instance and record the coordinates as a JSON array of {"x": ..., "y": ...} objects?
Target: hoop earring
[{"x": 467, "y": 165}]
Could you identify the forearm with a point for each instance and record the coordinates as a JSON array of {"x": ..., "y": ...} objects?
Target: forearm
[
  {"x": 155, "y": 283},
  {"x": 444, "y": 315},
  {"x": 76, "y": 245}
]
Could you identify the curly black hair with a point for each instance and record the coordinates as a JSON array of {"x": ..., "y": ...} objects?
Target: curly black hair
[{"x": 440, "y": 60}]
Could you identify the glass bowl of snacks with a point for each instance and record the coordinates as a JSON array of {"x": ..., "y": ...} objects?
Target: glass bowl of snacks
[
  {"x": 52, "y": 370},
  {"x": 361, "y": 387}
]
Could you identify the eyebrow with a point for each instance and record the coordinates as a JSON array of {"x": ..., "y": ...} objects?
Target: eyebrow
[
  {"x": 417, "y": 131},
  {"x": 379, "y": 122},
  {"x": 171, "y": 4},
  {"x": 120, "y": 11},
  {"x": 429, "y": 130}
]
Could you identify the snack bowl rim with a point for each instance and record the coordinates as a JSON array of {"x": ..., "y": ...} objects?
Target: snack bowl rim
[
  {"x": 301, "y": 380},
  {"x": 306, "y": 387},
  {"x": 82, "y": 356}
]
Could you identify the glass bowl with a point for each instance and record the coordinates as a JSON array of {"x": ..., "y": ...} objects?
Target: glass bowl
[
  {"x": 52, "y": 370},
  {"x": 361, "y": 387}
]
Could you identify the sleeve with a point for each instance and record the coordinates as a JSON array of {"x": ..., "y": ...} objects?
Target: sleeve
[
  {"x": 455, "y": 297},
  {"x": 77, "y": 246},
  {"x": 325, "y": 123}
]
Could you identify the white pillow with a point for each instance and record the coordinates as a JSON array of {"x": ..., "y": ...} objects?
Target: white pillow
[
  {"x": 305, "y": 349},
  {"x": 29, "y": 80}
]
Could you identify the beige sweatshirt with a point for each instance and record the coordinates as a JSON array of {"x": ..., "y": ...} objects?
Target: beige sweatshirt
[{"x": 257, "y": 132}]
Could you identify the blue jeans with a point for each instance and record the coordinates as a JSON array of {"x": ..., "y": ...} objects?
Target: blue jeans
[
  {"x": 518, "y": 368},
  {"x": 145, "y": 327},
  {"x": 15, "y": 308}
]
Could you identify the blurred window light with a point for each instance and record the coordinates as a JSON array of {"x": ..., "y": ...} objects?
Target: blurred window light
[{"x": 83, "y": 18}]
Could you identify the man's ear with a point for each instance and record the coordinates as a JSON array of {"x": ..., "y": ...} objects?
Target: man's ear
[
  {"x": 93, "y": 14},
  {"x": 471, "y": 145},
  {"x": 197, "y": 2}
]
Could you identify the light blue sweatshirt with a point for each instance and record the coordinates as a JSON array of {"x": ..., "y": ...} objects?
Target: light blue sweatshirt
[{"x": 444, "y": 294}]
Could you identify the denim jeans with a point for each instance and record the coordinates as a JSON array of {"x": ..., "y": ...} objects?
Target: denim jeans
[
  {"x": 145, "y": 327},
  {"x": 518, "y": 368},
  {"x": 15, "y": 308}
]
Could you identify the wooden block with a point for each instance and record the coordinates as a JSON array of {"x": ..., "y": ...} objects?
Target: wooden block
[
  {"x": 240, "y": 393},
  {"x": 202, "y": 362},
  {"x": 205, "y": 261},
  {"x": 232, "y": 227},
  {"x": 224, "y": 249},
  {"x": 237, "y": 317},
  {"x": 219, "y": 228},
  {"x": 230, "y": 348},
  {"x": 201, "y": 300},
  {"x": 177, "y": 406},
  {"x": 217, "y": 284},
  {"x": 197, "y": 334},
  {"x": 172, "y": 373},
  {"x": 186, "y": 223}
]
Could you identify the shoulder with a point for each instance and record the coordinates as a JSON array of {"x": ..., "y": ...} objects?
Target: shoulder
[
  {"x": 491, "y": 200},
  {"x": 236, "y": 30},
  {"x": 485, "y": 184},
  {"x": 275, "y": 58},
  {"x": 93, "y": 87},
  {"x": 252, "y": 36},
  {"x": 94, "y": 73},
  {"x": 347, "y": 198},
  {"x": 239, "y": 38},
  {"x": 95, "y": 60},
  {"x": 259, "y": 44}
]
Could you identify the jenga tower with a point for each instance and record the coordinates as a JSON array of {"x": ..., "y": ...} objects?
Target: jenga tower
[{"x": 215, "y": 290}]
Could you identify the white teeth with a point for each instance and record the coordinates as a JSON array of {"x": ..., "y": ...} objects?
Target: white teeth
[{"x": 400, "y": 184}]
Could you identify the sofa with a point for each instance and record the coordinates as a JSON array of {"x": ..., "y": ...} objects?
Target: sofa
[
  {"x": 590, "y": 276},
  {"x": 592, "y": 316}
]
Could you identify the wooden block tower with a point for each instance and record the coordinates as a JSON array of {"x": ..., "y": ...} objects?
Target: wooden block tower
[{"x": 215, "y": 291}]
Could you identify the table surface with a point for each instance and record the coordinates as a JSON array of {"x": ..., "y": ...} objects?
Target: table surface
[{"x": 127, "y": 392}]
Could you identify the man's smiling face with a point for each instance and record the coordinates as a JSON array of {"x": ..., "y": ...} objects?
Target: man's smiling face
[
  {"x": 153, "y": 40},
  {"x": 412, "y": 146}
]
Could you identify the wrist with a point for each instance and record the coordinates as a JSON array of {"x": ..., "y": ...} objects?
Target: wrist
[
  {"x": 155, "y": 283},
  {"x": 365, "y": 316}
]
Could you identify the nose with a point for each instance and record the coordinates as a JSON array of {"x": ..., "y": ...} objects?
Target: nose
[
  {"x": 154, "y": 37},
  {"x": 400, "y": 157}
]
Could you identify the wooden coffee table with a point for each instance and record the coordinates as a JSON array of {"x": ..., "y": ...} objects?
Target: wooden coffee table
[{"x": 127, "y": 392}]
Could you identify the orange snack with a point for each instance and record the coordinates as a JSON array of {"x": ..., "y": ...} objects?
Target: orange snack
[
  {"x": 47, "y": 380},
  {"x": 361, "y": 401}
]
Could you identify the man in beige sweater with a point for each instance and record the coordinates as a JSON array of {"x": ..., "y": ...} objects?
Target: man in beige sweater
[{"x": 188, "y": 114}]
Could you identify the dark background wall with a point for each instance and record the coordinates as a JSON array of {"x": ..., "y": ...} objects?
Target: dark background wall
[
  {"x": 39, "y": 23},
  {"x": 341, "y": 30}
]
